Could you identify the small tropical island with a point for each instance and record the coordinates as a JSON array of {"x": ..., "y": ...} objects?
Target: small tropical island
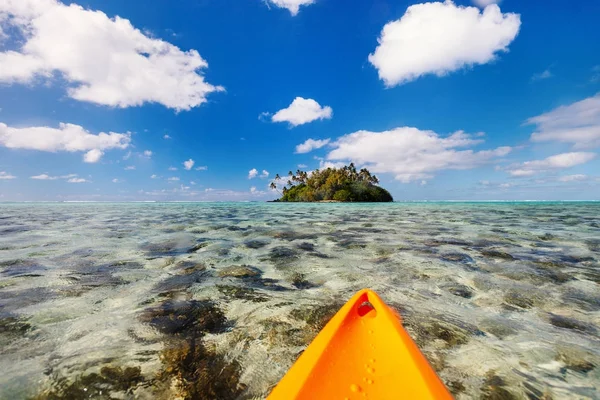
[{"x": 344, "y": 184}]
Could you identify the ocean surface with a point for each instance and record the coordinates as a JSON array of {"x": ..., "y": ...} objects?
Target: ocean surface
[{"x": 217, "y": 300}]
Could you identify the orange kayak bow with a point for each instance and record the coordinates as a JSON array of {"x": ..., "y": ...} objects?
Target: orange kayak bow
[{"x": 362, "y": 353}]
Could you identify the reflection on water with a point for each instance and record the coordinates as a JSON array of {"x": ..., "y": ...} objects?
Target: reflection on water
[{"x": 216, "y": 300}]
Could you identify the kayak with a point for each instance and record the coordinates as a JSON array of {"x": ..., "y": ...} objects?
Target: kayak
[{"x": 362, "y": 353}]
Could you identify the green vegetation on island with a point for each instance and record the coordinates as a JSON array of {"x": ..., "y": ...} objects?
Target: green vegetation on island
[{"x": 344, "y": 184}]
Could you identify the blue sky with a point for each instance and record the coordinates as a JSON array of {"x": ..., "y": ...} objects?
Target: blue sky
[{"x": 106, "y": 100}]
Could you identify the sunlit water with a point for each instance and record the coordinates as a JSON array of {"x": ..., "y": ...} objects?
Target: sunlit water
[{"x": 103, "y": 300}]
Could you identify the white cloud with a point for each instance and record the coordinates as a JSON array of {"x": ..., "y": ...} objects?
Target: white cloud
[
  {"x": 77, "y": 180},
  {"x": 302, "y": 166},
  {"x": 252, "y": 173},
  {"x": 127, "y": 156},
  {"x": 129, "y": 168},
  {"x": 188, "y": 164},
  {"x": 193, "y": 183},
  {"x": 264, "y": 174},
  {"x": 485, "y": 3},
  {"x": 116, "y": 180},
  {"x": 302, "y": 111},
  {"x": 67, "y": 137},
  {"x": 253, "y": 189},
  {"x": 105, "y": 61},
  {"x": 556, "y": 162},
  {"x": 310, "y": 145},
  {"x": 93, "y": 156},
  {"x": 542, "y": 75},
  {"x": 147, "y": 153},
  {"x": 172, "y": 168},
  {"x": 6, "y": 176},
  {"x": 44, "y": 177},
  {"x": 174, "y": 178},
  {"x": 439, "y": 38},
  {"x": 293, "y": 6},
  {"x": 573, "y": 178},
  {"x": 411, "y": 154},
  {"x": 201, "y": 168},
  {"x": 166, "y": 137},
  {"x": 577, "y": 123},
  {"x": 154, "y": 176}
]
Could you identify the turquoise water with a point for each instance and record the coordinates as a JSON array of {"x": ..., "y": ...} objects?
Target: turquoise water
[{"x": 216, "y": 300}]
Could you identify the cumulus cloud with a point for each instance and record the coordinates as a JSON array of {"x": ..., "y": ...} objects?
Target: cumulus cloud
[
  {"x": 129, "y": 168},
  {"x": 104, "y": 60},
  {"x": 147, "y": 153},
  {"x": 252, "y": 173},
  {"x": 116, "y": 180},
  {"x": 201, "y": 168},
  {"x": 264, "y": 174},
  {"x": 439, "y": 38},
  {"x": 6, "y": 176},
  {"x": 187, "y": 165},
  {"x": 77, "y": 180},
  {"x": 410, "y": 153},
  {"x": 302, "y": 166},
  {"x": 485, "y": 3},
  {"x": 556, "y": 162},
  {"x": 293, "y": 6},
  {"x": 172, "y": 168},
  {"x": 67, "y": 137},
  {"x": 310, "y": 145},
  {"x": 166, "y": 137},
  {"x": 577, "y": 123},
  {"x": 302, "y": 111},
  {"x": 93, "y": 156},
  {"x": 154, "y": 176}
]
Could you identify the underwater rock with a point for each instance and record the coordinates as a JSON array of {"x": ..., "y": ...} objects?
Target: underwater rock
[
  {"x": 460, "y": 290},
  {"x": 240, "y": 271},
  {"x": 291, "y": 236},
  {"x": 317, "y": 316},
  {"x": 281, "y": 334},
  {"x": 179, "y": 282},
  {"x": 499, "y": 328},
  {"x": 194, "y": 371},
  {"x": 11, "y": 328},
  {"x": 185, "y": 317},
  {"x": 516, "y": 298},
  {"x": 493, "y": 253},
  {"x": 299, "y": 281},
  {"x": 255, "y": 244},
  {"x": 242, "y": 293},
  {"x": 575, "y": 360},
  {"x": 425, "y": 330},
  {"x": 282, "y": 254},
  {"x": 547, "y": 236},
  {"x": 197, "y": 247},
  {"x": 457, "y": 257},
  {"x": 306, "y": 246},
  {"x": 101, "y": 385},
  {"x": 22, "y": 268},
  {"x": 570, "y": 323},
  {"x": 493, "y": 389}
]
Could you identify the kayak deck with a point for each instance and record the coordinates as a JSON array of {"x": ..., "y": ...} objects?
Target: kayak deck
[{"x": 362, "y": 353}]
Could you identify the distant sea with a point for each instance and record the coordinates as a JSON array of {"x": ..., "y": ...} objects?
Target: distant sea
[{"x": 217, "y": 300}]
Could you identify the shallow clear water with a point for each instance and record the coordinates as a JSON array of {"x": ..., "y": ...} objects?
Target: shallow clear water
[{"x": 218, "y": 299}]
